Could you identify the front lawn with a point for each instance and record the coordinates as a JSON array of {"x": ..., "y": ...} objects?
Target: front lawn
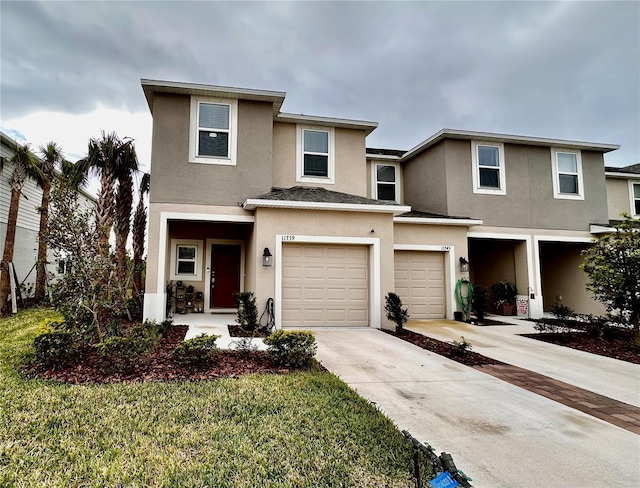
[{"x": 300, "y": 429}]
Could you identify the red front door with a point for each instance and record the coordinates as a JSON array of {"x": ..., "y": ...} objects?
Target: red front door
[{"x": 225, "y": 275}]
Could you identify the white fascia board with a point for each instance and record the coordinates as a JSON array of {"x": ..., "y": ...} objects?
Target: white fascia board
[
  {"x": 366, "y": 125},
  {"x": 437, "y": 221},
  {"x": 632, "y": 176},
  {"x": 600, "y": 229},
  {"x": 488, "y": 136},
  {"x": 253, "y": 203},
  {"x": 383, "y": 156}
]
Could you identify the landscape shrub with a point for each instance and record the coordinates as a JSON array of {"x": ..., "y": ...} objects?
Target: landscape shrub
[
  {"x": 396, "y": 313},
  {"x": 594, "y": 325},
  {"x": 54, "y": 348},
  {"x": 292, "y": 348},
  {"x": 545, "y": 325},
  {"x": 196, "y": 352},
  {"x": 247, "y": 315},
  {"x": 562, "y": 312},
  {"x": 121, "y": 353},
  {"x": 462, "y": 346},
  {"x": 164, "y": 327},
  {"x": 480, "y": 301}
]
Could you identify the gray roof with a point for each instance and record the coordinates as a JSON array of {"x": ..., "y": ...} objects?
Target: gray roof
[
  {"x": 385, "y": 152},
  {"x": 427, "y": 215},
  {"x": 315, "y": 194},
  {"x": 632, "y": 169}
]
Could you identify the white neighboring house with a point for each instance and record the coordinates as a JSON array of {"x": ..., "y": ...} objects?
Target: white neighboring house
[{"x": 26, "y": 244}]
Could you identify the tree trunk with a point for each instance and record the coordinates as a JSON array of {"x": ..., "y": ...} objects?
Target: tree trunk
[
  {"x": 41, "y": 263},
  {"x": 9, "y": 245}
]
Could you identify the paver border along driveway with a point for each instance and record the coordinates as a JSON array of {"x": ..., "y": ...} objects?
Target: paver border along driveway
[{"x": 498, "y": 433}]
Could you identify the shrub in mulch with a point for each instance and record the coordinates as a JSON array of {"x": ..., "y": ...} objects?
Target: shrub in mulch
[
  {"x": 237, "y": 331},
  {"x": 445, "y": 349},
  {"x": 158, "y": 365}
]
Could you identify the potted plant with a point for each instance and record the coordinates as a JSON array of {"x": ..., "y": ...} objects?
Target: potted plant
[{"x": 505, "y": 293}]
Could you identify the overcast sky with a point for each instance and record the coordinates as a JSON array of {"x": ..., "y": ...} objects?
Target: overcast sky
[{"x": 558, "y": 70}]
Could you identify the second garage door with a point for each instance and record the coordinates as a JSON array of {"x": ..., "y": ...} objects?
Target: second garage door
[
  {"x": 419, "y": 282},
  {"x": 325, "y": 285}
]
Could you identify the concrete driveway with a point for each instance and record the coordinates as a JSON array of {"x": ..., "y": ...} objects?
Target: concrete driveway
[{"x": 499, "y": 434}]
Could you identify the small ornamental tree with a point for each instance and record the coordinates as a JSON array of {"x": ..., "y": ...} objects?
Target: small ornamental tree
[
  {"x": 612, "y": 265},
  {"x": 395, "y": 312},
  {"x": 86, "y": 293}
]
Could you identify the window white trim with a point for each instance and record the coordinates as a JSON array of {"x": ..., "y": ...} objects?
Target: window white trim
[
  {"x": 175, "y": 243},
  {"x": 300, "y": 176},
  {"x": 557, "y": 173},
  {"x": 633, "y": 198},
  {"x": 233, "y": 131},
  {"x": 502, "y": 190},
  {"x": 374, "y": 180}
]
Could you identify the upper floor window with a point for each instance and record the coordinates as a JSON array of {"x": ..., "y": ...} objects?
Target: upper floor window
[
  {"x": 213, "y": 131},
  {"x": 567, "y": 174},
  {"x": 386, "y": 182},
  {"x": 635, "y": 199},
  {"x": 315, "y": 157},
  {"x": 488, "y": 168}
]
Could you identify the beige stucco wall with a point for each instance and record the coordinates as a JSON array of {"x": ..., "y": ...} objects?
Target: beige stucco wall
[
  {"x": 271, "y": 222},
  {"x": 618, "y": 197},
  {"x": 529, "y": 200},
  {"x": 564, "y": 282},
  {"x": 425, "y": 181},
  {"x": 350, "y": 160},
  {"x": 175, "y": 179}
]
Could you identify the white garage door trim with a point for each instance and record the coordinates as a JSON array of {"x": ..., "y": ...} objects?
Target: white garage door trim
[
  {"x": 374, "y": 269},
  {"x": 449, "y": 269}
]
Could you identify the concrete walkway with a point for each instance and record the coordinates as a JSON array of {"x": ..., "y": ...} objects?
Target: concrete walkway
[{"x": 498, "y": 433}]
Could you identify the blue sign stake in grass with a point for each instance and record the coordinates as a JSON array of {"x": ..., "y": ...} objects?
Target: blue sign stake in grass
[{"x": 443, "y": 480}]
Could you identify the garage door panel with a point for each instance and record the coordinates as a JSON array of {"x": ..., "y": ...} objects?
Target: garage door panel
[
  {"x": 333, "y": 284},
  {"x": 419, "y": 281}
]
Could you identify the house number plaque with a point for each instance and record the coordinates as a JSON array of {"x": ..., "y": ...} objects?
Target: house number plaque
[{"x": 288, "y": 238}]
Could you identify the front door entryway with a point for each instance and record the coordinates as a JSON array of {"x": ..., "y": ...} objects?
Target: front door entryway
[{"x": 224, "y": 277}]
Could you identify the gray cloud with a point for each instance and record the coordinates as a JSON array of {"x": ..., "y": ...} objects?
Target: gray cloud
[{"x": 566, "y": 70}]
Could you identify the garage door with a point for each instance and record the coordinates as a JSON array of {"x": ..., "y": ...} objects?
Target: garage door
[
  {"x": 325, "y": 285},
  {"x": 419, "y": 282}
]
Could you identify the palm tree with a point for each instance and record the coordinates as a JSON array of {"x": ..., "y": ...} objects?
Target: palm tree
[
  {"x": 139, "y": 229},
  {"x": 102, "y": 158},
  {"x": 25, "y": 165},
  {"x": 51, "y": 156},
  {"x": 127, "y": 163}
]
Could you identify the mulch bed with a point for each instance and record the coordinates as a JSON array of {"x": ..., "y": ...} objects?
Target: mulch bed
[
  {"x": 160, "y": 366},
  {"x": 474, "y": 321},
  {"x": 617, "y": 348},
  {"x": 468, "y": 358}
]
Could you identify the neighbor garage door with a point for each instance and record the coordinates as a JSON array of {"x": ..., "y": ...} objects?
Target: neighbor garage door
[
  {"x": 325, "y": 285},
  {"x": 419, "y": 282}
]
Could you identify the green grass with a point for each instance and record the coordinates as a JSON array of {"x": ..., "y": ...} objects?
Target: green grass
[{"x": 303, "y": 429}]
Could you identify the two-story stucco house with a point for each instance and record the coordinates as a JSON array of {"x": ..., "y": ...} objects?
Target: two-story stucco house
[{"x": 294, "y": 207}]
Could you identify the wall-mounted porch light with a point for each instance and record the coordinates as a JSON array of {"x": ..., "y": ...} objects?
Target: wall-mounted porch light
[
  {"x": 464, "y": 265},
  {"x": 267, "y": 258}
]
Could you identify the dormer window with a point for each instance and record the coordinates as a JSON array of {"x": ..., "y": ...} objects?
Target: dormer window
[
  {"x": 315, "y": 155},
  {"x": 213, "y": 131},
  {"x": 567, "y": 174},
  {"x": 488, "y": 168}
]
